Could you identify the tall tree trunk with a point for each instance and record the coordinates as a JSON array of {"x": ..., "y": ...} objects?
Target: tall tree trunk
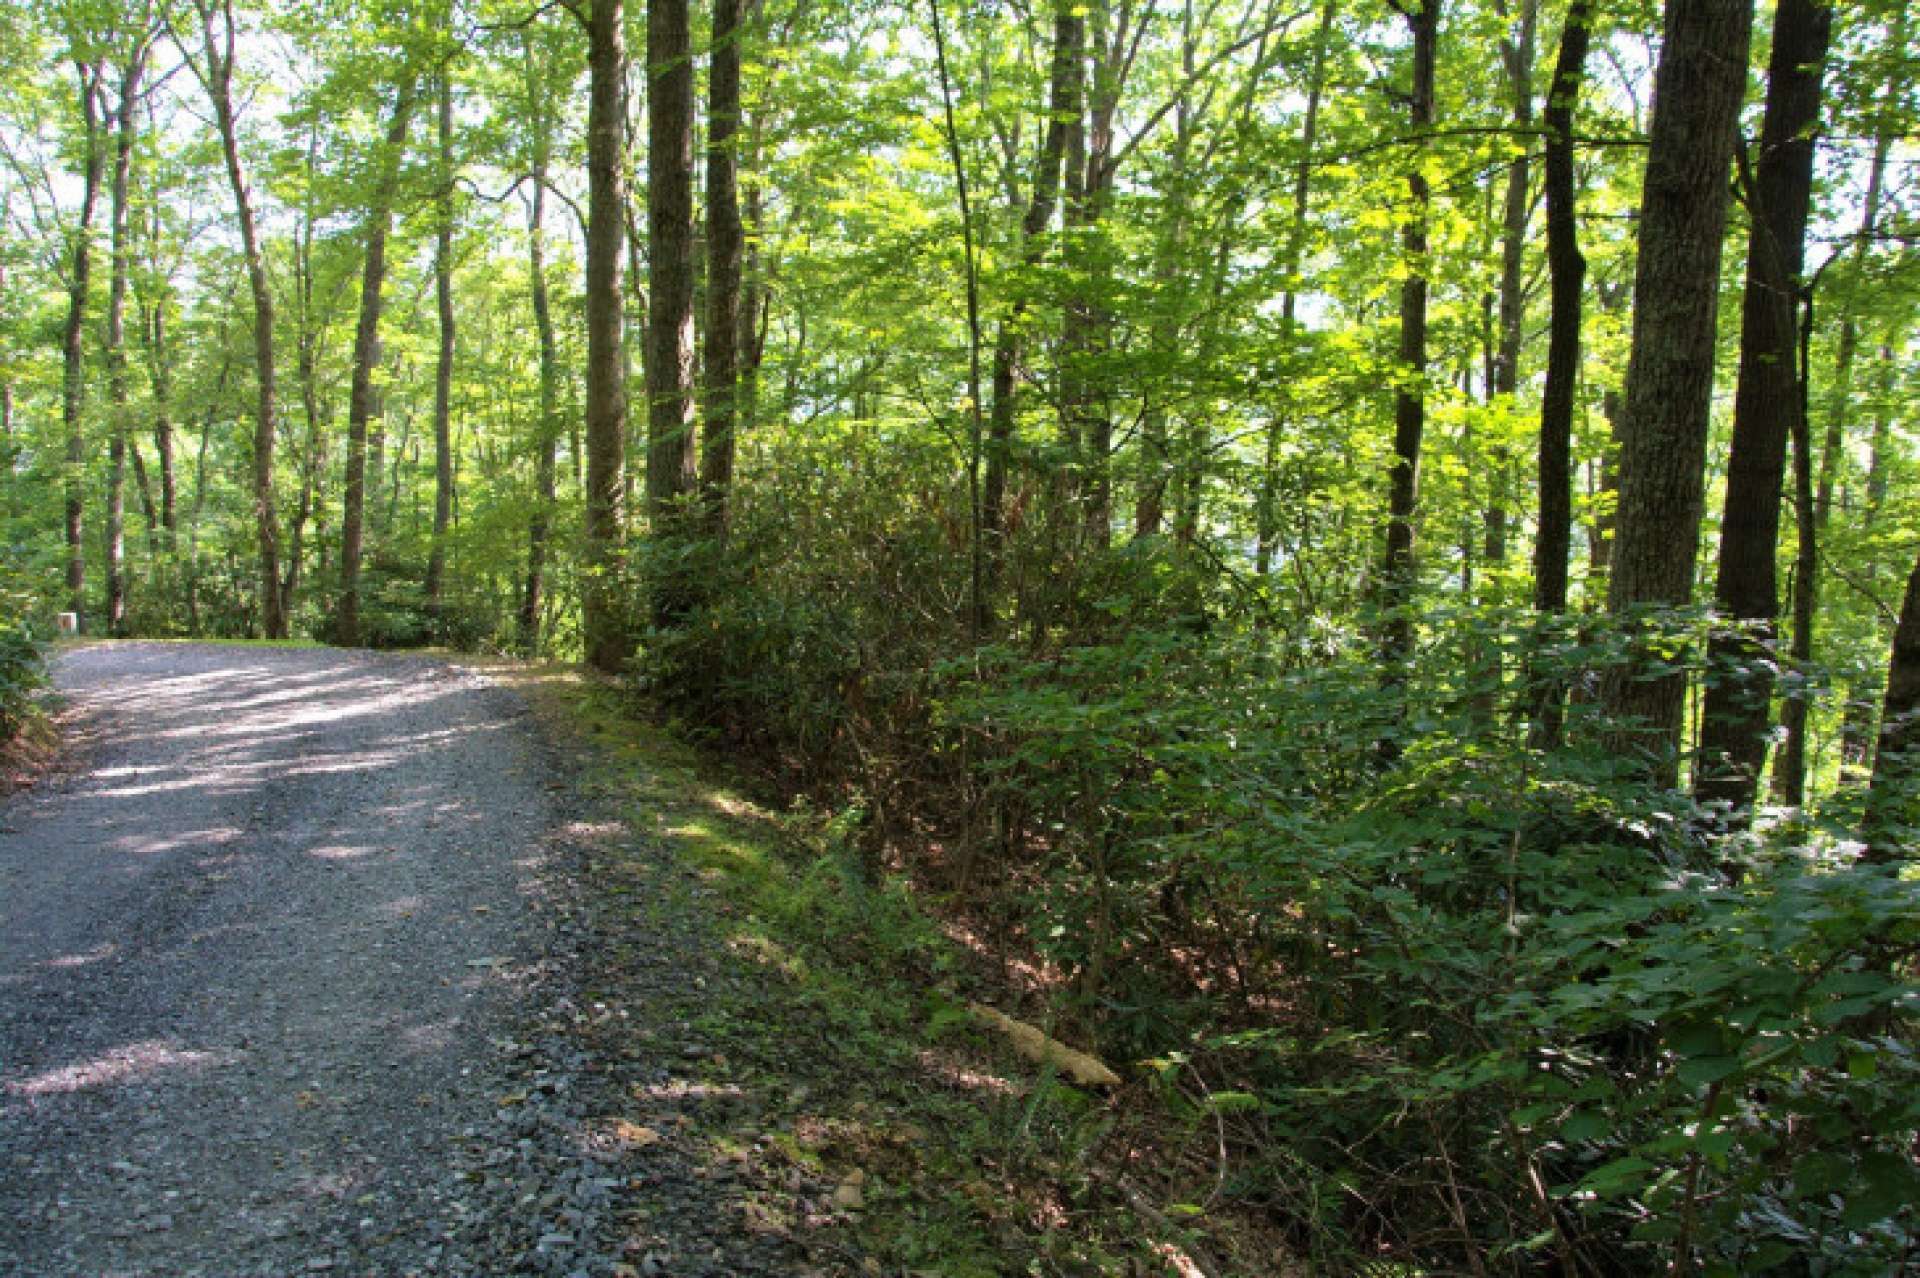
[
  {"x": 1567, "y": 268},
  {"x": 1857, "y": 716},
  {"x": 1791, "y": 769},
  {"x": 362, "y": 405},
  {"x": 1766, "y": 407},
  {"x": 216, "y": 76},
  {"x": 200, "y": 479},
  {"x": 306, "y": 369},
  {"x": 1517, "y": 54},
  {"x": 604, "y": 632},
  {"x": 73, "y": 342},
  {"x": 160, "y": 374},
  {"x": 753, "y": 305},
  {"x": 1155, "y": 447},
  {"x": 670, "y": 257},
  {"x": 1398, "y": 570},
  {"x": 1267, "y": 503},
  {"x": 539, "y": 524},
  {"x": 1698, "y": 87},
  {"x": 125, "y": 129},
  {"x": 1863, "y": 697},
  {"x": 725, "y": 244},
  {"x": 1893, "y": 796},
  {"x": 1064, "y": 93},
  {"x": 443, "y": 367}
]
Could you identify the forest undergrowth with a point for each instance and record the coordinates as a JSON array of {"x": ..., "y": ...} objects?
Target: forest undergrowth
[{"x": 1434, "y": 1000}]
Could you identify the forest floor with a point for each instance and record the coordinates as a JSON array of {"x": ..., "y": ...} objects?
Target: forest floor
[{"x": 341, "y": 963}]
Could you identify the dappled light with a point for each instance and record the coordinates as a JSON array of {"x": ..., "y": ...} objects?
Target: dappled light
[
  {"x": 285, "y": 887},
  {"x": 132, "y": 1062}
]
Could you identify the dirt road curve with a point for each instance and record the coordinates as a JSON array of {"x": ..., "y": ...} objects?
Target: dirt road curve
[{"x": 252, "y": 946}]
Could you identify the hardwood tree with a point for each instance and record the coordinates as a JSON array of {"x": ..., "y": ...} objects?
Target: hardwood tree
[
  {"x": 89, "y": 74},
  {"x": 726, "y": 241},
  {"x": 363, "y": 403},
  {"x": 213, "y": 66},
  {"x": 604, "y": 630},
  {"x": 1768, "y": 407},
  {"x": 1698, "y": 87},
  {"x": 443, "y": 362},
  {"x": 671, "y": 443},
  {"x": 1398, "y": 569},
  {"x": 1567, "y": 269}
]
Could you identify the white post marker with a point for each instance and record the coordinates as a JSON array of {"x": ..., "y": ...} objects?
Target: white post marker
[{"x": 69, "y": 623}]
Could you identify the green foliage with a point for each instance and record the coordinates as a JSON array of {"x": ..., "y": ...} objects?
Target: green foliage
[{"x": 23, "y": 671}]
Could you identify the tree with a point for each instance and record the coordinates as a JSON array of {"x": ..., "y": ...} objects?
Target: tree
[
  {"x": 1698, "y": 87},
  {"x": 1064, "y": 81},
  {"x": 1398, "y": 571},
  {"x": 443, "y": 363},
  {"x": 362, "y": 405},
  {"x": 1769, "y": 402},
  {"x": 670, "y": 259},
  {"x": 132, "y": 68},
  {"x": 89, "y": 73},
  {"x": 213, "y": 66},
  {"x": 1567, "y": 267},
  {"x": 604, "y": 633},
  {"x": 726, "y": 242},
  {"x": 539, "y": 117}
]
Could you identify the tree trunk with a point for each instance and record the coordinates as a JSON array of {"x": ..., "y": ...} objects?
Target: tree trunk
[
  {"x": 443, "y": 367},
  {"x": 1893, "y": 796},
  {"x": 1063, "y": 105},
  {"x": 539, "y": 524},
  {"x": 73, "y": 344},
  {"x": 670, "y": 257},
  {"x": 604, "y": 633},
  {"x": 124, "y": 135},
  {"x": 1698, "y": 87},
  {"x": 1156, "y": 450},
  {"x": 1567, "y": 269},
  {"x": 1398, "y": 570},
  {"x": 1857, "y": 716},
  {"x": 217, "y": 77},
  {"x": 1863, "y": 697},
  {"x": 1517, "y": 55},
  {"x": 161, "y": 375},
  {"x": 1267, "y": 503},
  {"x": 361, "y": 403},
  {"x": 725, "y": 244},
  {"x": 1792, "y": 767},
  {"x": 1766, "y": 405}
]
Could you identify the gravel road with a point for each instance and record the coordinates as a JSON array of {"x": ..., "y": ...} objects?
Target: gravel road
[{"x": 261, "y": 946}]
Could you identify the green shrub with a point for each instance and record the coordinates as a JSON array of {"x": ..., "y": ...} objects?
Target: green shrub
[{"x": 23, "y": 671}]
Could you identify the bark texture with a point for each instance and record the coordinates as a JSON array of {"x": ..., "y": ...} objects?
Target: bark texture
[
  {"x": 1767, "y": 413},
  {"x": 726, "y": 242},
  {"x": 601, "y": 613},
  {"x": 1567, "y": 270},
  {"x": 1397, "y": 568},
  {"x": 671, "y": 258},
  {"x": 1683, "y": 216}
]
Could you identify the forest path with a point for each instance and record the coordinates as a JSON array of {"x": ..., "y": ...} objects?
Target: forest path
[{"x": 256, "y": 949}]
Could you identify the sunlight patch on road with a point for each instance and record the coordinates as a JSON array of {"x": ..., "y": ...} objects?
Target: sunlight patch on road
[{"x": 135, "y": 1060}]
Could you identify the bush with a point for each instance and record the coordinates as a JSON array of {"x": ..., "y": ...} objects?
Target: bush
[{"x": 23, "y": 671}]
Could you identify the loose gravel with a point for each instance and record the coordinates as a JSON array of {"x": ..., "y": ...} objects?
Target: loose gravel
[{"x": 289, "y": 984}]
